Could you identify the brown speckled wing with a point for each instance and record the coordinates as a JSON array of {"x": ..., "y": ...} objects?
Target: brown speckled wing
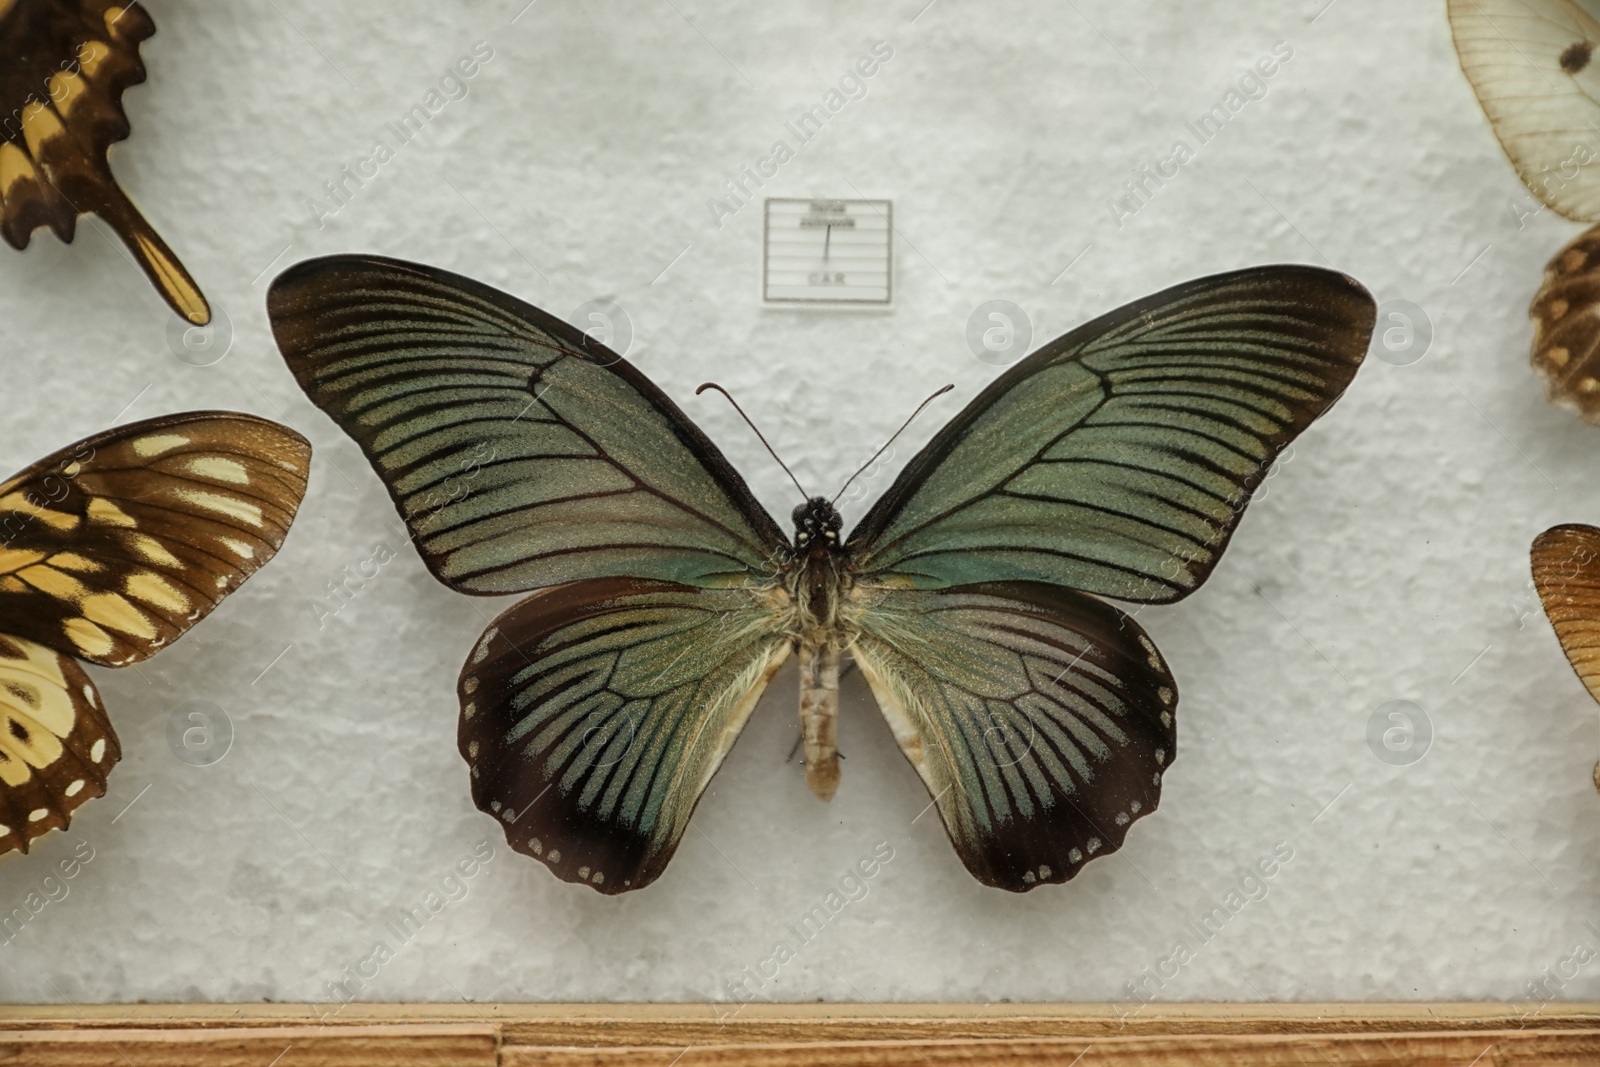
[
  {"x": 1566, "y": 328},
  {"x": 63, "y": 67}
]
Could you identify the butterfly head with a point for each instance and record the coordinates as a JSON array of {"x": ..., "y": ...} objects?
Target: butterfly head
[{"x": 816, "y": 523}]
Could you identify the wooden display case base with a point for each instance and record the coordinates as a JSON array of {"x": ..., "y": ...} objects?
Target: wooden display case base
[{"x": 835, "y": 1035}]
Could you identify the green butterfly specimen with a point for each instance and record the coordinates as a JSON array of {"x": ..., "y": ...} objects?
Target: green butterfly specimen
[{"x": 524, "y": 455}]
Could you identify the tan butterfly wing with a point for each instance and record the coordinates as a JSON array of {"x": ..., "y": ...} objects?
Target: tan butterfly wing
[
  {"x": 56, "y": 744},
  {"x": 114, "y": 547},
  {"x": 1566, "y": 572},
  {"x": 63, "y": 67},
  {"x": 1532, "y": 65}
]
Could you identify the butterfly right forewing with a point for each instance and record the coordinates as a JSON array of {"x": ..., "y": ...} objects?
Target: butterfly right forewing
[
  {"x": 114, "y": 547},
  {"x": 520, "y": 452}
]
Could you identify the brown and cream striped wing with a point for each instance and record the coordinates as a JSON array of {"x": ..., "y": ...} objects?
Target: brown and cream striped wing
[
  {"x": 1566, "y": 572},
  {"x": 63, "y": 67},
  {"x": 56, "y": 744},
  {"x": 1566, "y": 328},
  {"x": 114, "y": 547}
]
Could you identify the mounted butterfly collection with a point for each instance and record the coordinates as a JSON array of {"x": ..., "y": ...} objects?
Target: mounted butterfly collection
[
  {"x": 64, "y": 65},
  {"x": 1533, "y": 66},
  {"x": 1113, "y": 462},
  {"x": 110, "y": 550}
]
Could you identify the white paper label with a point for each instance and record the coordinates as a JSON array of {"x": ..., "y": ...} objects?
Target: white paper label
[{"x": 828, "y": 252}]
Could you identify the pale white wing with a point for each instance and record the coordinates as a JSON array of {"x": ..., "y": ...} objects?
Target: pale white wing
[{"x": 1532, "y": 64}]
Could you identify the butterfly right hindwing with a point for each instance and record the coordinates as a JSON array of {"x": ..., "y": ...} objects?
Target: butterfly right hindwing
[
  {"x": 56, "y": 744},
  {"x": 64, "y": 65},
  {"x": 595, "y": 713}
]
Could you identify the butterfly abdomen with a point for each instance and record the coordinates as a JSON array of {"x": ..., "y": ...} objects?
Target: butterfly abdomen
[
  {"x": 819, "y": 717},
  {"x": 817, "y": 585}
]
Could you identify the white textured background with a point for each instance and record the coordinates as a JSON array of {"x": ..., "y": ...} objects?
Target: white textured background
[{"x": 1387, "y": 561}]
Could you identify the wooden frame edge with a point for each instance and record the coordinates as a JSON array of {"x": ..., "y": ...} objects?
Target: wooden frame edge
[{"x": 839, "y": 1035}]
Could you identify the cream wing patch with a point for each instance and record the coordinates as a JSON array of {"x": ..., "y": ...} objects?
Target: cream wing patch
[{"x": 56, "y": 745}]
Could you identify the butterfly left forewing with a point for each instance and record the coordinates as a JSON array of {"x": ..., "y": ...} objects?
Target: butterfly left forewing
[
  {"x": 1118, "y": 459},
  {"x": 1040, "y": 720},
  {"x": 1566, "y": 573},
  {"x": 594, "y": 714},
  {"x": 114, "y": 547},
  {"x": 56, "y": 744}
]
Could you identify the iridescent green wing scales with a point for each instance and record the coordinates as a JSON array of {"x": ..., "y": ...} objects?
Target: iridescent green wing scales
[
  {"x": 594, "y": 715},
  {"x": 520, "y": 452},
  {"x": 1118, "y": 459},
  {"x": 1040, "y": 720}
]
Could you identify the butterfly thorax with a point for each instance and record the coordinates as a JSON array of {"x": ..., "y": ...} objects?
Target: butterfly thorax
[
  {"x": 817, "y": 580},
  {"x": 817, "y": 574}
]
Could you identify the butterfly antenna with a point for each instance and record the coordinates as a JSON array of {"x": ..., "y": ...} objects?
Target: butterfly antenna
[
  {"x": 758, "y": 433},
  {"x": 890, "y": 441}
]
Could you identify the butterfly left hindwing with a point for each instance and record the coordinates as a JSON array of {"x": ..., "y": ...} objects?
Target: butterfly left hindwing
[
  {"x": 1566, "y": 328},
  {"x": 1040, "y": 719},
  {"x": 110, "y": 550}
]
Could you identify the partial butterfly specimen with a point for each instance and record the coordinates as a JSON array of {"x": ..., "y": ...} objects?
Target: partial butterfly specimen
[
  {"x": 525, "y": 456},
  {"x": 1533, "y": 65},
  {"x": 1566, "y": 572},
  {"x": 63, "y": 67},
  {"x": 110, "y": 550}
]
